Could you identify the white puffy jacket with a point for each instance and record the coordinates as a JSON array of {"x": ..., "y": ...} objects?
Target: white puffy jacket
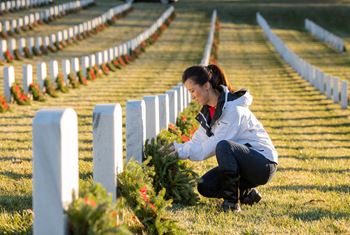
[{"x": 232, "y": 121}]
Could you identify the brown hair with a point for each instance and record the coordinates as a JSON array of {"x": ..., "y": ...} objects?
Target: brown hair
[{"x": 211, "y": 73}]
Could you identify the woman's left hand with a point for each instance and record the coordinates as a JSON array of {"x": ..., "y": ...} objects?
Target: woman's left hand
[{"x": 169, "y": 150}]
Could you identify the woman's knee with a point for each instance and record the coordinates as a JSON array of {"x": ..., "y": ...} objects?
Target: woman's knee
[{"x": 223, "y": 148}]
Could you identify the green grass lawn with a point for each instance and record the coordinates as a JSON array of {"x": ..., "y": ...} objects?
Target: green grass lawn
[{"x": 310, "y": 193}]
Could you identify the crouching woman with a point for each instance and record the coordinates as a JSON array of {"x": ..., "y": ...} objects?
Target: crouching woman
[{"x": 244, "y": 152}]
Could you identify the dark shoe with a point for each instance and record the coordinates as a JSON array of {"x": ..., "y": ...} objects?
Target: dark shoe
[
  {"x": 229, "y": 205},
  {"x": 250, "y": 197}
]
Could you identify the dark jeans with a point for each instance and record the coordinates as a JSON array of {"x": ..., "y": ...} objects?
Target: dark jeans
[{"x": 251, "y": 166}]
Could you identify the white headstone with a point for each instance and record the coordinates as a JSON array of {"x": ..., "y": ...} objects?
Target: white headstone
[
  {"x": 105, "y": 56},
  {"x": 135, "y": 129},
  {"x": 322, "y": 82},
  {"x": 344, "y": 94},
  {"x": 120, "y": 50},
  {"x": 37, "y": 16},
  {"x": 3, "y": 6},
  {"x": 81, "y": 28},
  {"x": 76, "y": 30},
  {"x": 8, "y": 5},
  {"x": 99, "y": 58},
  {"x": 20, "y": 22},
  {"x": 41, "y": 73},
  {"x": 6, "y": 26},
  {"x": 84, "y": 65},
  {"x": 163, "y": 111},
  {"x": 92, "y": 60},
  {"x": 71, "y": 33},
  {"x": 336, "y": 90},
  {"x": 75, "y": 65},
  {"x": 29, "y": 19},
  {"x": 110, "y": 54},
  {"x": 115, "y": 52},
  {"x": 52, "y": 40},
  {"x": 185, "y": 93},
  {"x": 21, "y": 45},
  {"x": 56, "y": 10},
  {"x": 9, "y": 80},
  {"x": 328, "y": 87},
  {"x": 55, "y": 168},
  {"x": 59, "y": 37},
  {"x": 12, "y": 45},
  {"x": 53, "y": 70},
  {"x": 38, "y": 43},
  {"x": 46, "y": 41},
  {"x": 173, "y": 110},
  {"x": 27, "y": 76},
  {"x": 65, "y": 69},
  {"x": 13, "y": 25},
  {"x": 107, "y": 145},
  {"x": 65, "y": 34},
  {"x": 30, "y": 44},
  {"x": 3, "y": 48},
  {"x": 152, "y": 116},
  {"x": 180, "y": 93}
]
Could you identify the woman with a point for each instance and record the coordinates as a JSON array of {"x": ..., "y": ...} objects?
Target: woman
[{"x": 245, "y": 154}]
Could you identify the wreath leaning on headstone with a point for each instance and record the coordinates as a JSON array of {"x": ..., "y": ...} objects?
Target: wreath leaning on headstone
[
  {"x": 93, "y": 212},
  {"x": 167, "y": 170},
  {"x": 34, "y": 88},
  {"x": 3, "y": 105},
  {"x": 18, "y": 95}
]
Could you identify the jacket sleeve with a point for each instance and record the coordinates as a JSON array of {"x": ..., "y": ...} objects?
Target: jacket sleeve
[{"x": 201, "y": 146}]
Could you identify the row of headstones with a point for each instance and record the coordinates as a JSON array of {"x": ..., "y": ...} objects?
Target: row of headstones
[
  {"x": 16, "y": 24},
  {"x": 55, "y": 151},
  {"x": 6, "y": 6},
  {"x": 325, "y": 36},
  {"x": 73, "y": 64},
  {"x": 61, "y": 36},
  {"x": 325, "y": 83},
  {"x": 208, "y": 46},
  {"x": 145, "y": 118}
]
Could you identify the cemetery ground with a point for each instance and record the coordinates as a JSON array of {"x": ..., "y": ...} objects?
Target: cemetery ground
[{"x": 310, "y": 191}]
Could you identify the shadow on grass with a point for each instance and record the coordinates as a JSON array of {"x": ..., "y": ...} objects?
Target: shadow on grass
[
  {"x": 15, "y": 176},
  {"x": 13, "y": 203},
  {"x": 310, "y": 125},
  {"x": 314, "y": 147},
  {"x": 345, "y": 188},
  {"x": 323, "y": 171},
  {"x": 313, "y": 118},
  {"x": 318, "y": 214},
  {"x": 85, "y": 176},
  {"x": 333, "y": 158}
]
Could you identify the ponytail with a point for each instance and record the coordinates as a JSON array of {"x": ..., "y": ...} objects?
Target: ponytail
[
  {"x": 218, "y": 77},
  {"x": 211, "y": 73}
]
